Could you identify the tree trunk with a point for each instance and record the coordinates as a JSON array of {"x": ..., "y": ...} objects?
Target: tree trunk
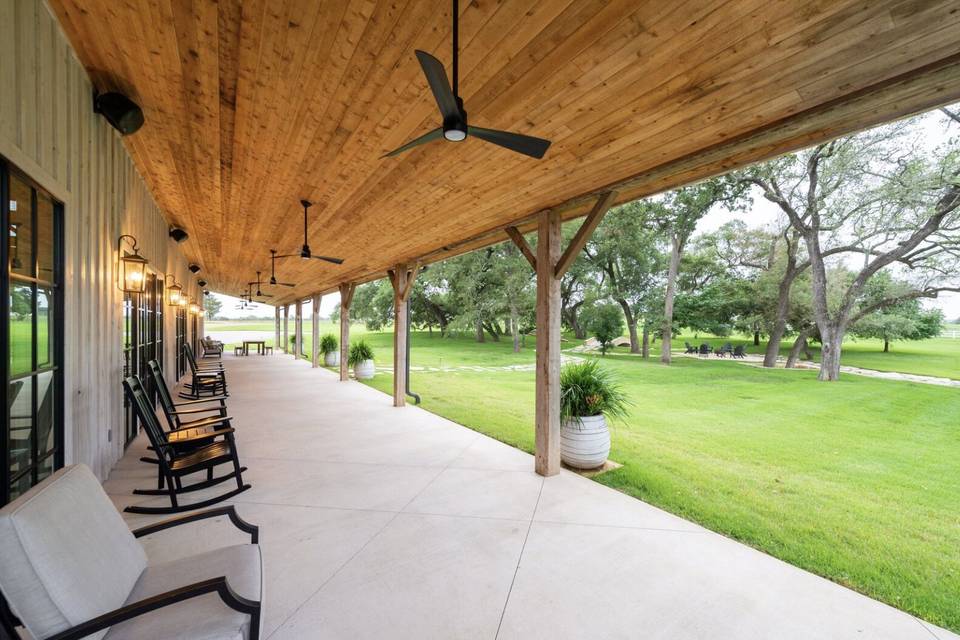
[
  {"x": 479, "y": 331},
  {"x": 667, "y": 337},
  {"x": 515, "y": 327},
  {"x": 631, "y": 325},
  {"x": 886, "y": 345},
  {"x": 493, "y": 330},
  {"x": 756, "y": 337},
  {"x": 645, "y": 349},
  {"x": 783, "y": 301},
  {"x": 800, "y": 344},
  {"x": 830, "y": 343}
]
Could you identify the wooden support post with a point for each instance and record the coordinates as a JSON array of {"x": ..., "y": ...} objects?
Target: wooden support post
[
  {"x": 548, "y": 345},
  {"x": 402, "y": 278},
  {"x": 298, "y": 330},
  {"x": 346, "y": 297},
  {"x": 276, "y": 328},
  {"x": 286, "y": 328},
  {"x": 315, "y": 331}
]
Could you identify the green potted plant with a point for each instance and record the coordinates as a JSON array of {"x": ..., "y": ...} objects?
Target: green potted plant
[
  {"x": 361, "y": 359},
  {"x": 588, "y": 395},
  {"x": 330, "y": 349}
]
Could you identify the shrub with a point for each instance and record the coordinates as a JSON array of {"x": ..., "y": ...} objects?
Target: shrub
[
  {"x": 605, "y": 322},
  {"x": 359, "y": 352},
  {"x": 587, "y": 389},
  {"x": 328, "y": 343}
]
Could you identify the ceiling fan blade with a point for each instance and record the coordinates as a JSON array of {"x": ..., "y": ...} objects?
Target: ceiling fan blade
[
  {"x": 527, "y": 145},
  {"x": 439, "y": 85},
  {"x": 285, "y": 284},
  {"x": 436, "y": 134},
  {"x": 328, "y": 259},
  {"x": 289, "y": 255}
]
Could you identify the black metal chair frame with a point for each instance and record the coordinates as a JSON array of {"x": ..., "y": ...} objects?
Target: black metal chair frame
[
  {"x": 739, "y": 352},
  {"x": 218, "y": 585},
  {"x": 173, "y": 463}
]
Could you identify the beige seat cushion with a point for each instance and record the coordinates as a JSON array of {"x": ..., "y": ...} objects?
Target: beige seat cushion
[
  {"x": 67, "y": 556},
  {"x": 202, "y": 618}
]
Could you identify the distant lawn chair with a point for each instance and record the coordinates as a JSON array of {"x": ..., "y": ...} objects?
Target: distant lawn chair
[
  {"x": 705, "y": 349},
  {"x": 690, "y": 348},
  {"x": 724, "y": 350},
  {"x": 739, "y": 352}
]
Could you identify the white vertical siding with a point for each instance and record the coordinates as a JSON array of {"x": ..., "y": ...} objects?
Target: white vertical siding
[{"x": 48, "y": 129}]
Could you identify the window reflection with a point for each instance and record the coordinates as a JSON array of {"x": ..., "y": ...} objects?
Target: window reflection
[{"x": 21, "y": 328}]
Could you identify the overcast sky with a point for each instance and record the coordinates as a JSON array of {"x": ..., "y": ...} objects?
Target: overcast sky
[{"x": 762, "y": 214}]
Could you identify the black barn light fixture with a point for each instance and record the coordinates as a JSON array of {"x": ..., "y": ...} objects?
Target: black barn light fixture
[
  {"x": 131, "y": 268},
  {"x": 174, "y": 291}
]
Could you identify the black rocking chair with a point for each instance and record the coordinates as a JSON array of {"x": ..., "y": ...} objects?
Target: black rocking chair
[
  {"x": 207, "y": 380},
  {"x": 174, "y": 462}
]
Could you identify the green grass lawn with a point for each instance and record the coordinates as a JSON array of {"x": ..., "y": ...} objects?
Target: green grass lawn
[{"x": 857, "y": 480}]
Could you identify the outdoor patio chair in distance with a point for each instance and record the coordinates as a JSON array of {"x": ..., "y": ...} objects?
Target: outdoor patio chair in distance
[
  {"x": 84, "y": 574},
  {"x": 739, "y": 352},
  {"x": 174, "y": 463},
  {"x": 705, "y": 349}
]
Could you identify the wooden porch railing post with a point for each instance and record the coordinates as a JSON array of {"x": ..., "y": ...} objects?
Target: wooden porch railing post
[
  {"x": 298, "y": 330},
  {"x": 276, "y": 328},
  {"x": 286, "y": 328},
  {"x": 315, "y": 331},
  {"x": 402, "y": 279},
  {"x": 346, "y": 297},
  {"x": 547, "y": 460}
]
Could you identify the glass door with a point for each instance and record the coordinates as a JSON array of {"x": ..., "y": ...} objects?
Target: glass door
[{"x": 31, "y": 445}]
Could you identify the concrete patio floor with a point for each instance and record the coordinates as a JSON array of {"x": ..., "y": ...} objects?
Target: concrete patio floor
[{"x": 379, "y": 522}]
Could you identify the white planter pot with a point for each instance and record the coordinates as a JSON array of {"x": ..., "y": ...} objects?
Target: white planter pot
[
  {"x": 585, "y": 442},
  {"x": 364, "y": 370},
  {"x": 331, "y": 358}
]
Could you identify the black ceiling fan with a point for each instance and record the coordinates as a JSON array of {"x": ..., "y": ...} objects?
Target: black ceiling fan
[
  {"x": 273, "y": 271},
  {"x": 258, "y": 294},
  {"x": 455, "y": 127},
  {"x": 305, "y": 249}
]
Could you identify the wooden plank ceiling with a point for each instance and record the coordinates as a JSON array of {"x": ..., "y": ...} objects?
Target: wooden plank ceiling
[{"x": 253, "y": 105}]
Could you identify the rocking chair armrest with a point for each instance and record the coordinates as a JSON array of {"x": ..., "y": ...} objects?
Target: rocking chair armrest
[
  {"x": 217, "y": 585},
  {"x": 209, "y": 421},
  {"x": 180, "y": 412},
  {"x": 208, "y": 374},
  {"x": 207, "y": 435},
  {"x": 230, "y": 511},
  {"x": 220, "y": 399}
]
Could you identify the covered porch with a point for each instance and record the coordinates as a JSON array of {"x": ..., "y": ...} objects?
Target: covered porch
[{"x": 378, "y": 523}]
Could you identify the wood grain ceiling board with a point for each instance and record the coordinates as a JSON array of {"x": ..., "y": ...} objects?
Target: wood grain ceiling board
[{"x": 251, "y": 106}]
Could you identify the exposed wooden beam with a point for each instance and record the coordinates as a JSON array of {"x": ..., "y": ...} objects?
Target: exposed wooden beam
[
  {"x": 522, "y": 244},
  {"x": 586, "y": 230}
]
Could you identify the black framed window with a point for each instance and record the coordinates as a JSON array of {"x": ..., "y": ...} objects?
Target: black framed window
[
  {"x": 142, "y": 342},
  {"x": 31, "y": 445},
  {"x": 181, "y": 335}
]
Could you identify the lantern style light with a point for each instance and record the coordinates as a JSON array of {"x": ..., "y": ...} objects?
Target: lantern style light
[
  {"x": 174, "y": 291},
  {"x": 194, "y": 307},
  {"x": 131, "y": 269}
]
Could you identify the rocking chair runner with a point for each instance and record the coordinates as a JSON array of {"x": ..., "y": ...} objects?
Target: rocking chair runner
[{"x": 174, "y": 463}]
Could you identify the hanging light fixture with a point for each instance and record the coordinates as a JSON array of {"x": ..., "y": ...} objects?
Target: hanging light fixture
[
  {"x": 194, "y": 307},
  {"x": 174, "y": 291},
  {"x": 131, "y": 269}
]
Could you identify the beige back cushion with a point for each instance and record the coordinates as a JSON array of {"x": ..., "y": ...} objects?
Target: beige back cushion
[{"x": 66, "y": 555}]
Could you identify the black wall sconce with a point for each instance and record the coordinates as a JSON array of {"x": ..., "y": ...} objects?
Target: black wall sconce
[
  {"x": 178, "y": 234},
  {"x": 194, "y": 268},
  {"x": 131, "y": 269}
]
